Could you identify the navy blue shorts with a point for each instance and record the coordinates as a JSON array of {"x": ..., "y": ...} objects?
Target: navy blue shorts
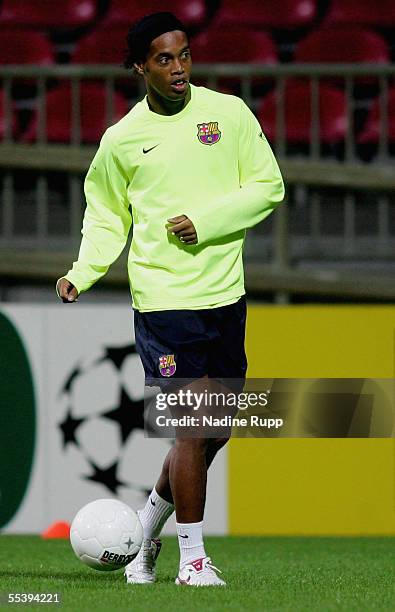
[{"x": 190, "y": 344}]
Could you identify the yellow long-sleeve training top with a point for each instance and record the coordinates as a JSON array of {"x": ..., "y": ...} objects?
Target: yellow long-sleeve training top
[{"x": 211, "y": 162}]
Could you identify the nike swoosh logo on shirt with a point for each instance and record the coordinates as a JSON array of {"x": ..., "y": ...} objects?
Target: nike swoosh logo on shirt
[
  {"x": 148, "y": 150},
  {"x": 184, "y": 536}
]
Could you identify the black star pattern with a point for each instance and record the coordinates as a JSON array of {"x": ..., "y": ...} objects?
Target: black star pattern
[
  {"x": 129, "y": 415},
  {"x": 69, "y": 382},
  {"x": 107, "y": 477},
  {"x": 129, "y": 543},
  {"x": 68, "y": 427},
  {"x": 117, "y": 355}
]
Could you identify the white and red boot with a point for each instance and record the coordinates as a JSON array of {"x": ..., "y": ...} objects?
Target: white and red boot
[
  {"x": 199, "y": 572},
  {"x": 142, "y": 569}
]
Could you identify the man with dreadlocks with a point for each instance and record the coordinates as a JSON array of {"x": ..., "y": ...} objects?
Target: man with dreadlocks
[{"x": 192, "y": 170}]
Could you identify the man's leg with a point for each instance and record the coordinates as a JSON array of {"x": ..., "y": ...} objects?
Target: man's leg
[
  {"x": 159, "y": 508},
  {"x": 163, "y": 485},
  {"x": 184, "y": 474},
  {"x": 160, "y": 504},
  {"x": 184, "y": 479}
]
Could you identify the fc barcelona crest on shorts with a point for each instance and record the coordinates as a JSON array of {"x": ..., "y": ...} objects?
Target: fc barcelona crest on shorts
[
  {"x": 208, "y": 133},
  {"x": 167, "y": 365}
]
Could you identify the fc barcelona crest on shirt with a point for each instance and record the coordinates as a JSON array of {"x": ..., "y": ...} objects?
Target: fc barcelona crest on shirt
[
  {"x": 208, "y": 133},
  {"x": 167, "y": 365}
]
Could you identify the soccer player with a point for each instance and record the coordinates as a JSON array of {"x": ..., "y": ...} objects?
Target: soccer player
[{"x": 191, "y": 170}]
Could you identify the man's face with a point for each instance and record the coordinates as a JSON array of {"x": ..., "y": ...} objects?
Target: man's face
[{"x": 168, "y": 65}]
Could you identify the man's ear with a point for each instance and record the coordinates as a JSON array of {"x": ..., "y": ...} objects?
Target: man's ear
[{"x": 139, "y": 68}]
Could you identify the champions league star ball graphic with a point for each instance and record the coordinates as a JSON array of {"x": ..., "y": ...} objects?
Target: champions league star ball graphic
[
  {"x": 106, "y": 534},
  {"x": 102, "y": 436}
]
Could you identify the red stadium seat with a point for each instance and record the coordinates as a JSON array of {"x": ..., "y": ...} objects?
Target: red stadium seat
[
  {"x": 191, "y": 12},
  {"x": 25, "y": 47},
  {"x": 92, "y": 113},
  {"x": 268, "y": 14},
  {"x": 47, "y": 13},
  {"x": 233, "y": 47},
  {"x": 332, "y": 114},
  {"x": 371, "y": 132},
  {"x": 102, "y": 46},
  {"x": 345, "y": 45},
  {"x": 224, "y": 46},
  {"x": 361, "y": 12},
  {"x": 106, "y": 46}
]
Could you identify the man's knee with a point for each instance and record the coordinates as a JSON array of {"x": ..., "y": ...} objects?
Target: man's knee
[{"x": 192, "y": 443}]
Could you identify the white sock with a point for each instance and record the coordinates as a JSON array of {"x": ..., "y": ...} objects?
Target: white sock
[
  {"x": 154, "y": 515},
  {"x": 190, "y": 540}
]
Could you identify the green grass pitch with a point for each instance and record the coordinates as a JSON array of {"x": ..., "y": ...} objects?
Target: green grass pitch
[{"x": 262, "y": 573}]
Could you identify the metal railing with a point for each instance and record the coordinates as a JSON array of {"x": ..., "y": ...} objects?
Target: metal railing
[
  {"x": 308, "y": 173},
  {"x": 350, "y": 74}
]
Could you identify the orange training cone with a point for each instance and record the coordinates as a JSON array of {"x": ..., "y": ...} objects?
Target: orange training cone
[{"x": 60, "y": 530}]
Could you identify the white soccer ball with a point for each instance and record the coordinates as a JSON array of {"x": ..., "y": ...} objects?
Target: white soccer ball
[{"x": 106, "y": 534}]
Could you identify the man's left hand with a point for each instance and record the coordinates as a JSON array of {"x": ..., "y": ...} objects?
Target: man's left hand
[{"x": 183, "y": 228}]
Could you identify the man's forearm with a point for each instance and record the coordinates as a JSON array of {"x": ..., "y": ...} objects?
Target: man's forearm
[
  {"x": 239, "y": 210},
  {"x": 99, "y": 249}
]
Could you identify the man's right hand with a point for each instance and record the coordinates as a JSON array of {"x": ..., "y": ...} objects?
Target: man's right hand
[{"x": 66, "y": 291}]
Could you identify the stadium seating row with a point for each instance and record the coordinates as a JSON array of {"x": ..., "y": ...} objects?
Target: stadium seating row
[
  {"x": 332, "y": 115},
  {"x": 78, "y": 13},
  {"x": 252, "y": 13},
  {"x": 103, "y": 46}
]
